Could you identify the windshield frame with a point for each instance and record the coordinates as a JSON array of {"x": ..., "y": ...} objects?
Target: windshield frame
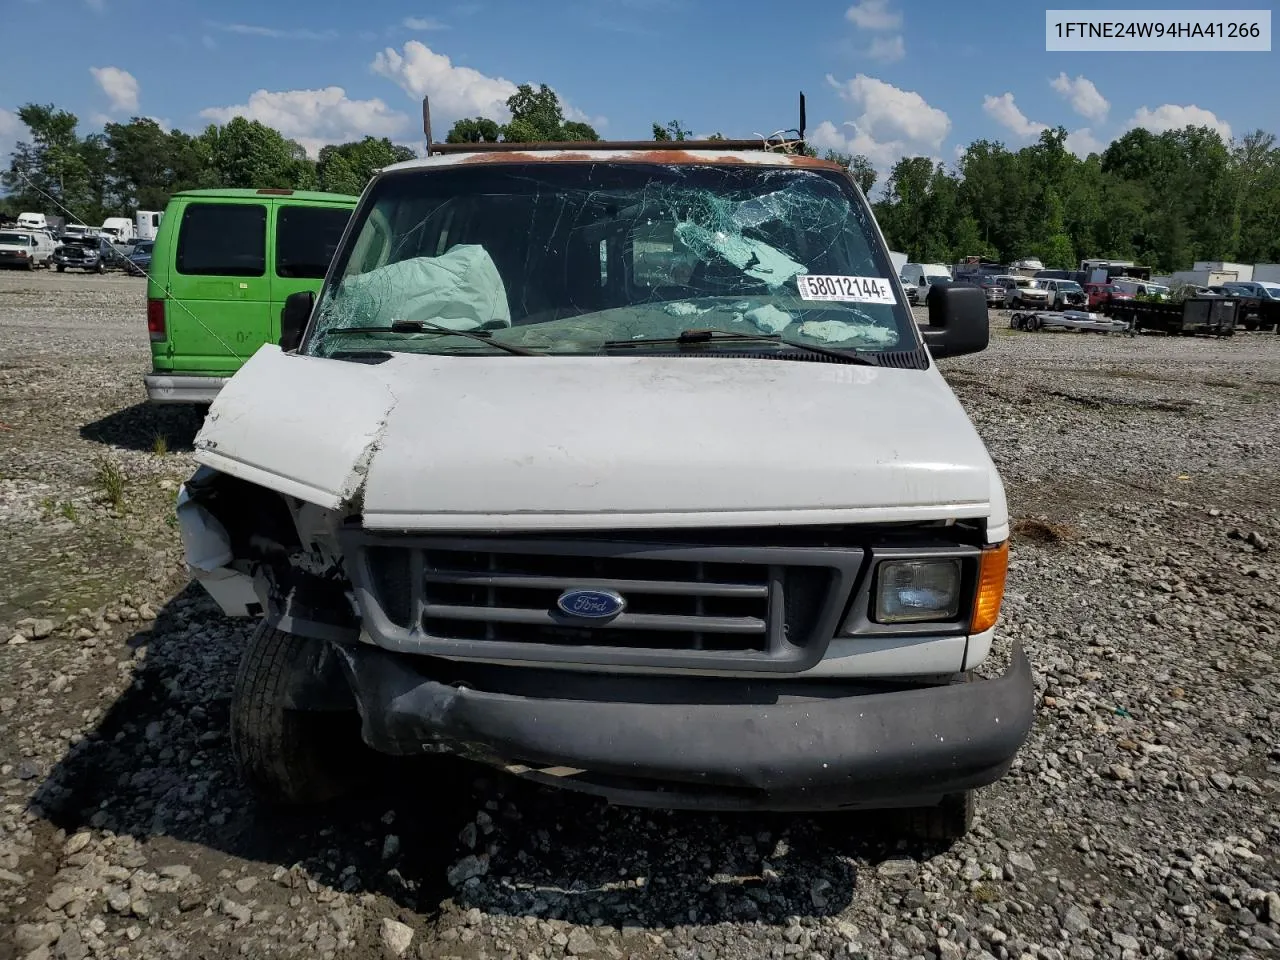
[{"x": 910, "y": 352}]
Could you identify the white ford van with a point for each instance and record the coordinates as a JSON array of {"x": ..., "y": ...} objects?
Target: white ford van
[
  {"x": 625, "y": 471},
  {"x": 25, "y": 249}
]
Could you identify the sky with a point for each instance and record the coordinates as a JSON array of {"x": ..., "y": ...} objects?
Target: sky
[{"x": 884, "y": 78}]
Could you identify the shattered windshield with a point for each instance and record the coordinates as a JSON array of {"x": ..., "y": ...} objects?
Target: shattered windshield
[{"x": 590, "y": 257}]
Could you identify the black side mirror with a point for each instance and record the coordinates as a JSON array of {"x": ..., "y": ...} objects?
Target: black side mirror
[
  {"x": 293, "y": 318},
  {"x": 957, "y": 321}
]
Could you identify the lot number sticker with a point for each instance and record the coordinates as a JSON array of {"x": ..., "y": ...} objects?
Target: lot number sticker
[{"x": 846, "y": 289}]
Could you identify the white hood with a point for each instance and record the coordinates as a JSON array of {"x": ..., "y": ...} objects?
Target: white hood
[{"x": 430, "y": 442}]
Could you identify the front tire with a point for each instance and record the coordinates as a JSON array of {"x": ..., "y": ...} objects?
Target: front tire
[
  {"x": 62, "y": 268},
  {"x": 289, "y": 757}
]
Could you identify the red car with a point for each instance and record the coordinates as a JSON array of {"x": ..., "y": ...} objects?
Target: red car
[{"x": 1101, "y": 293}]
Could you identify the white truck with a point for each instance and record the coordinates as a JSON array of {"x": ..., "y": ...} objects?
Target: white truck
[
  {"x": 118, "y": 229},
  {"x": 722, "y": 540}
]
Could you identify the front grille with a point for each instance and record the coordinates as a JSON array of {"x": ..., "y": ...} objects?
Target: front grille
[{"x": 488, "y": 597}]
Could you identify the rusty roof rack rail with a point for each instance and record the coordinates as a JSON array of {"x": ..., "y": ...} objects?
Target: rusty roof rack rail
[{"x": 778, "y": 141}]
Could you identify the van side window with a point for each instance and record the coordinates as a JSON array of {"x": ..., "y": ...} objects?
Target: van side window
[
  {"x": 223, "y": 240},
  {"x": 306, "y": 240}
]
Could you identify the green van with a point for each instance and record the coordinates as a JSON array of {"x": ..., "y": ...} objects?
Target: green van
[{"x": 223, "y": 264}]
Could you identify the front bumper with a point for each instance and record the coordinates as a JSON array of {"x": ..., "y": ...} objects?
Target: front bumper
[
  {"x": 173, "y": 388},
  {"x": 703, "y": 743}
]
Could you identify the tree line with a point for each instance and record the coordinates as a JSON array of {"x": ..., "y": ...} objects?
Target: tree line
[{"x": 1164, "y": 199}]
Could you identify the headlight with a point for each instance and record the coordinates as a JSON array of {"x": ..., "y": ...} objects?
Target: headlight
[{"x": 916, "y": 591}]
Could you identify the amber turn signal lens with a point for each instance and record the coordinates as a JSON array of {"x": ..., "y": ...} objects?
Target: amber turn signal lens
[{"x": 993, "y": 565}]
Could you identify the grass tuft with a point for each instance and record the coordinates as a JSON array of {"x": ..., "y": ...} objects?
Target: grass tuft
[
  {"x": 111, "y": 482},
  {"x": 160, "y": 445}
]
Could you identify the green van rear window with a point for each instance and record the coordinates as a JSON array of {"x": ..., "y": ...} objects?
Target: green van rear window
[
  {"x": 307, "y": 238},
  {"x": 223, "y": 240}
]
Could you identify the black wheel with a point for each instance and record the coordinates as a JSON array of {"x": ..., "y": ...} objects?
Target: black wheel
[
  {"x": 949, "y": 820},
  {"x": 1251, "y": 325},
  {"x": 1033, "y": 322},
  {"x": 289, "y": 757},
  {"x": 100, "y": 269},
  {"x": 61, "y": 268},
  {"x": 31, "y": 265}
]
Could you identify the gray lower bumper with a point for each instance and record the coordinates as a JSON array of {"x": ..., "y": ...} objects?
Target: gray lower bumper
[
  {"x": 750, "y": 750},
  {"x": 171, "y": 388}
]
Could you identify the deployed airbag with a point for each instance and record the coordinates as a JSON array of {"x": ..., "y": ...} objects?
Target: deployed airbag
[{"x": 460, "y": 289}]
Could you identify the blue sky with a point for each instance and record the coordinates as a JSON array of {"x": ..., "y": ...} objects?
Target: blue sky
[{"x": 882, "y": 77}]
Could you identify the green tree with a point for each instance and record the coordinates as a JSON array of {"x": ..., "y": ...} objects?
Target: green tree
[
  {"x": 673, "y": 130},
  {"x": 247, "y": 153},
  {"x": 49, "y": 166},
  {"x": 474, "y": 130},
  {"x": 536, "y": 117},
  {"x": 348, "y": 167}
]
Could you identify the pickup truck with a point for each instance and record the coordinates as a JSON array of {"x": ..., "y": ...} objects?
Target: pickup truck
[{"x": 714, "y": 536}]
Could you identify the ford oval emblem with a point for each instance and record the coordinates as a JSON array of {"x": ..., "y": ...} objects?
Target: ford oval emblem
[{"x": 591, "y": 604}]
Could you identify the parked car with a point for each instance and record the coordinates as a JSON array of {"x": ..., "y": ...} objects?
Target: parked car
[
  {"x": 993, "y": 291},
  {"x": 80, "y": 252},
  {"x": 1065, "y": 294},
  {"x": 1024, "y": 292},
  {"x": 1140, "y": 288},
  {"x": 1263, "y": 291},
  {"x": 223, "y": 263},
  {"x": 423, "y": 491},
  {"x": 25, "y": 249},
  {"x": 1098, "y": 295},
  {"x": 139, "y": 260}
]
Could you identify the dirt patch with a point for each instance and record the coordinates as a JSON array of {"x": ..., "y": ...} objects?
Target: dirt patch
[{"x": 1038, "y": 530}]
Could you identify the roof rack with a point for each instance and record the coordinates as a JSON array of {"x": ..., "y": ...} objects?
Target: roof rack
[{"x": 778, "y": 142}]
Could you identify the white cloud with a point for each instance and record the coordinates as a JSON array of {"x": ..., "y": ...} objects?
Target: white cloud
[
  {"x": 1170, "y": 116},
  {"x": 119, "y": 85},
  {"x": 887, "y": 49},
  {"x": 1005, "y": 112},
  {"x": 1082, "y": 142},
  {"x": 421, "y": 23},
  {"x": 209, "y": 42},
  {"x": 893, "y": 123},
  {"x": 315, "y": 117},
  {"x": 873, "y": 15},
  {"x": 253, "y": 30},
  {"x": 1083, "y": 96},
  {"x": 455, "y": 91}
]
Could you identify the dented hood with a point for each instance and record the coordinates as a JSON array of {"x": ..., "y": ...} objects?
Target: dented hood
[{"x": 430, "y": 442}]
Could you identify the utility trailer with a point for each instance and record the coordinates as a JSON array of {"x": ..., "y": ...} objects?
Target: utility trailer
[
  {"x": 1205, "y": 316},
  {"x": 1080, "y": 321}
]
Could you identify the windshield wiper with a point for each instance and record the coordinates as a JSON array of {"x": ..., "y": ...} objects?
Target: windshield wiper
[
  {"x": 732, "y": 336},
  {"x": 422, "y": 326}
]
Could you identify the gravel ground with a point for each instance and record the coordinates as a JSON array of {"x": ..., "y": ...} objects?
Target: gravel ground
[{"x": 1141, "y": 819}]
